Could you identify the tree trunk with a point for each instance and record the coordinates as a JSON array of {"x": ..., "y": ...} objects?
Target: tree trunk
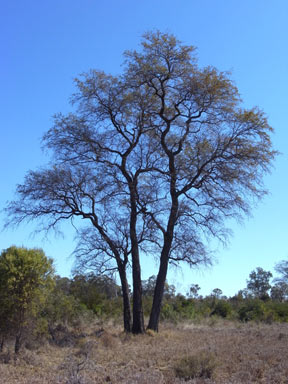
[
  {"x": 2, "y": 343},
  {"x": 164, "y": 259},
  {"x": 138, "y": 317},
  {"x": 122, "y": 273},
  {"x": 126, "y": 299},
  {"x": 158, "y": 291},
  {"x": 17, "y": 342}
]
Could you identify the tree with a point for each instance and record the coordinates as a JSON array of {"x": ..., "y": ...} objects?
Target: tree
[
  {"x": 216, "y": 293},
  {"x": 26, "y": 275},
  {"x": 213, "y": 152},
  {"x": 193, "y": 291},
  {"x": 282, "y": 269},
  {"x": 148, "y": 287},
  {"x": 155, "y": 159},
  {"x": 259, "y": 283},
  {"x": 279, "y": 291}
]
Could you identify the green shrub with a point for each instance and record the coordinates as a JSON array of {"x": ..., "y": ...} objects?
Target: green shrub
[
  {"x": 252, "y": 310},
  {"x": 201, "y": 365},
  {"x": 279, "y": 310},
  {"x": 168, "y": 313},
  {"x": 222, "y": 309}
]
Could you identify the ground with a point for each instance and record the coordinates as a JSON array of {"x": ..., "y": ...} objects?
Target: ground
[{"x": 230, "y": 352}]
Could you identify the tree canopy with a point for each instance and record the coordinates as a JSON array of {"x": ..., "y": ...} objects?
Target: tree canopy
[
  {"x": 25, "y": 277},
  {"x": 155, "y": 160},
  {"x": 259, "y": 283}
]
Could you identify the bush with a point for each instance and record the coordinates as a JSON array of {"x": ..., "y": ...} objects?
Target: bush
[
  {"x": 168, "y": 313},
  {"x": 252, "y": 310},
  {"x": 222, "y": 309},
  {"x": 279, "y": 310},
  {"x": 195, "y": 366}
]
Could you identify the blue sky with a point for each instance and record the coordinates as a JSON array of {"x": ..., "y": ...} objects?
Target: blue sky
[{"x": 46, "y": 44}]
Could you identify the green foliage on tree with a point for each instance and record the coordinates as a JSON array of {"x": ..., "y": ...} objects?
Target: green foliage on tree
[
  {"x": 216, "y": 293},
  {"x": 26, "y": 277},
  {"x": 258, "y": 284},
  {"x": 193, "y": 291}
]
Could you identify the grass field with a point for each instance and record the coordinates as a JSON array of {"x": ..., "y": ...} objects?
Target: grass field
[{"x": 214, "y": 352}]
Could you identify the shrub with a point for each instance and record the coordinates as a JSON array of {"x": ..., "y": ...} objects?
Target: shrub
[
  {"x": 252, "y": 310},
  {"x": 169, "y": 314},
  {"x": 222, "y": 309},
  {"x": 279, "y": 310},
  {"x": 195, "y": 366}
]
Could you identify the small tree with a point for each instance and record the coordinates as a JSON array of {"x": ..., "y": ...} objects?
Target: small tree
[
  {"x": 217, "y": 292},
  {"x": 259, "y": 283},
  {"x": 193, "y": 291},
  {"x": 26, "y": 275},
  {"x": 279, "y": 291}
]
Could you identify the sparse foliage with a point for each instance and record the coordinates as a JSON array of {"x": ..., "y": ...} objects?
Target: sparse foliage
[
  {"x": 282, "y": 269},
  {"x": 193, "y": 291},
  {"x": 279, "y": 291},
  {"x": 155, "y": 160}
]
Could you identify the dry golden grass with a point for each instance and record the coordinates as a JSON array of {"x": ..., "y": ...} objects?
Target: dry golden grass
[{"x": 242, "y": 353}]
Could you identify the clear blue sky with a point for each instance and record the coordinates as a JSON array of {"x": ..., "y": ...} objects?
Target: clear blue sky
[{"x": 45, "y": 44}]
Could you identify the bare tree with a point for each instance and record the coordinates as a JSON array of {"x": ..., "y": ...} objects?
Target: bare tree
[{"x": 155, "y": 159}]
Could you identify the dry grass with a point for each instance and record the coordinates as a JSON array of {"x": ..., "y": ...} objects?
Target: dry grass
[{"x": 247, "y": 353}]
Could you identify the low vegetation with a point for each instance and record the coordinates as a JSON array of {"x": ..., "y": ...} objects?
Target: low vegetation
[
  {"x": 68, "y": 331},
  {"x": 218, "y": 351}
]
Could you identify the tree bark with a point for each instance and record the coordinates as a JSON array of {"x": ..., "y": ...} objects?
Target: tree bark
[
  {"x": 17, "y": 342},
  {"x": 2, "y": 343},
  {"x": 168, "y": 239},
  {"x": 126, "y": 299},
  {"x": 138, "y": 317},
  {"x": 159, "y": 290}
]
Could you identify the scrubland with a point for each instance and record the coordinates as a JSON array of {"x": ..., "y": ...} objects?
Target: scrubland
[{"x": 212, "y": 351}]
